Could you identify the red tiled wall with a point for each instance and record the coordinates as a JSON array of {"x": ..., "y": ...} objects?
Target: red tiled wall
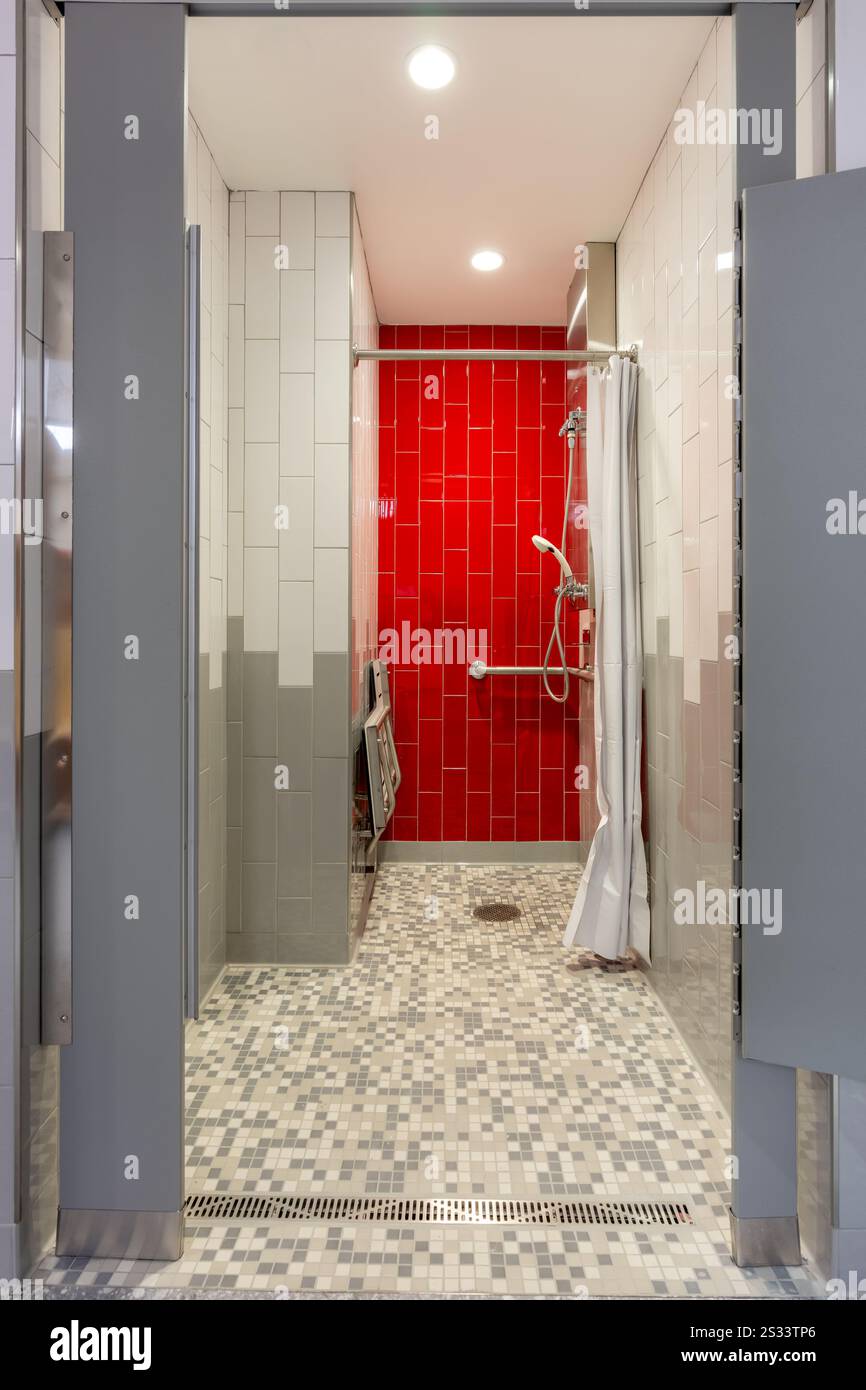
[{"x": 468, "y": 472}]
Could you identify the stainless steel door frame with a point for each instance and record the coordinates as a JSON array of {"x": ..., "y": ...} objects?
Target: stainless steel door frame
[
  {"x": 57, "y": 528},
  {"x": 191, "y": 613}
]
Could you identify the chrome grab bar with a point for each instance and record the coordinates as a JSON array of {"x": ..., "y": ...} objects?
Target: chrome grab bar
[{"x": 478, "y": 670}]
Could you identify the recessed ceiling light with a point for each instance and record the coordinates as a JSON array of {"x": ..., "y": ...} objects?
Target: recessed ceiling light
[
  {"x": 487, "y": 260},
  {"x": 431, "y": 67}
]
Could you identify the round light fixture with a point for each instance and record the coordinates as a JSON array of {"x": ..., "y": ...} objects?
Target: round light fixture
[
  {"x": 487, "y": 260},
  {"x": 431, "y": 67}
]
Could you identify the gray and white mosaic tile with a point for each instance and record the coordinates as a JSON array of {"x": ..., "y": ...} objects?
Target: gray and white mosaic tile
[{"x": 453, "y": 1057}]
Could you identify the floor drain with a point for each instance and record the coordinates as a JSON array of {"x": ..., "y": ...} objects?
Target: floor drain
[
  {"x": 440, "y": 1211},
  {"x": 496, "y": 912}
]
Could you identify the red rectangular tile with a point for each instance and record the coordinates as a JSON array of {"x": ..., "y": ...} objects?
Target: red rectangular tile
[
  {"x": 454, "y": 804},
  {"x": 527, "y": 816},
  {"x": 430, "y": 756},
  {"x": 429, "y": 816},
  {"x": 478, "y": 815}
]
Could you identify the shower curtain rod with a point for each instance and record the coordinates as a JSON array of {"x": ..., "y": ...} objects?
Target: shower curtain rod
[{"x": 364, "y": 354}]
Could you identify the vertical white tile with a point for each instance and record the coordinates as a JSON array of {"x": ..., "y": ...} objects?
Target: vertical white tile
[
  {"x": 333, "y": 392},
  {"x": 298, "y": 228},
  {"x": 660, "y": 324},
  {"x": 692, "y": 635},
  {"x": 709, "y": 308},
  {"x": 690, "y": 151},
  {"x": 262, "y": 391},
  {"x": 332, "y": 287},
  {"x": 332, "y": 495},
  {"x": 727, "y": 388},
  {"x": 216, "y": 525},
  {"x": 43, "y": 188},
  {"x": 204, "y": 596},
  {"x": 236, "y": 356},
  {"x": 691, "y": 372},
  {"x": 261, "y": 494},
  {"x": 215, "y": 665},
  {"x": 709, "y": 590},
  {"x": 191, "y": 193},
  {"x": 661, "y": 559},
  {"x": 332, "y": 214},
  {"x": 262, "y": 297},
  {"x": 295, "y": 662},
  {"x": 43, "y": 79},
  {"x": 675, "y": 347},
  {"x": 297, "y": 320},
  {"x": 331, "y": 603},
  {"x": 236, "y": 460},
  {"x": 811, "y": 47},
  {"x": 709, "y": 449},
  {"x": 706, "y": 191},
  {"x": 661, "y": 443},
  {"x": 204, "y": 478},
  {"x": 810, "y": 131},
  {"x": 235, "y": 596},
  {"x": 297, "y": 431},
  {"x": 675, "y": 471},
  {"x": 725, "y": 240},
  {"x": 691, "y": 503},
  {"x": 237, "y": 251},
  {"x": 725, "y": 62},
  {"x": 205, "y": 364},
  {"x": 263, "y": 214},
  {"x": 675, "y": 593},
  {"x": 707, "y": 68},
  {"x": 690, "y": 242},
  {"x": 296, "y": 542},
  {"x": 260, "y": 599},
  {"x": 674, "y": 225},
  {"x": 726, "y": 537},
  {"x": 648, "y": 601}
]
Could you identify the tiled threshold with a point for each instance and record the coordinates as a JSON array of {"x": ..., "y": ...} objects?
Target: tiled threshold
[{"x": 483, "y": 851}]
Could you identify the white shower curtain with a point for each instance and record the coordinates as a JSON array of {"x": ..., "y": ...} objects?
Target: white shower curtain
[{"x": 611, "y": 911}]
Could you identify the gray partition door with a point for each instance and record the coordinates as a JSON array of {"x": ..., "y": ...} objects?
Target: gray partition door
[
  {"x": 804, "y": 623},
  {"x": 121, "y": 1102}
]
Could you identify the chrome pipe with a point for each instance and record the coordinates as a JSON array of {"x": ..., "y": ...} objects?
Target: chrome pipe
[
  {"x": 364, "y": 354},
  {"x": 478, "y": 670}
]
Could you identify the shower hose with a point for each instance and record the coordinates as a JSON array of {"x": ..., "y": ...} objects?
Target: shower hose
[{"x": 556, "y": 635}]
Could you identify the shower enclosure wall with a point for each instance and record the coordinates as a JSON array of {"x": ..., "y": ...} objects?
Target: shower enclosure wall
[
  {"x": 287, "y": 549},
  {"x": 472, "y": 466}
]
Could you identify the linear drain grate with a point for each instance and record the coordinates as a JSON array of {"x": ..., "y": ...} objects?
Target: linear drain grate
[
  {"x": 439, "y": 1211},
  {"x": 496, "y": 912}
]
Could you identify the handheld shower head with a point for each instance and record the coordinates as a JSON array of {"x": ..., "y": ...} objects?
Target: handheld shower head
[{"x": 548, "y": 548}]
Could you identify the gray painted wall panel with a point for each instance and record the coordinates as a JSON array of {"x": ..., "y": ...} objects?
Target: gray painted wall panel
[
  {"x": 805, "y": 614},
  {"x": 121, "y": 1080}
]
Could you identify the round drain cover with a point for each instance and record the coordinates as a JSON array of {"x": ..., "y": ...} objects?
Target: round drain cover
[{"x": 496, "y": 912}]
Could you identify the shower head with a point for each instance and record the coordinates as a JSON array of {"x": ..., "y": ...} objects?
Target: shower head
[{"x": 548, "y": 548}]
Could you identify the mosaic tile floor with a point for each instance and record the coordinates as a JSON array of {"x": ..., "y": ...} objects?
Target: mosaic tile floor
[{"x": 453, "y": 1057}]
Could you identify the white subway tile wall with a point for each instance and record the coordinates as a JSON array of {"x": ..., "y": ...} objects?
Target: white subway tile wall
[
  {"x": 207, "y": 203},
  {"x": 289, "y": 496},
  {"x": 673, "y": 257},
  {"x": 675, "y": 299}
]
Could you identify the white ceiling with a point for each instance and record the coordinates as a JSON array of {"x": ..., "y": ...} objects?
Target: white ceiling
[{"x": 545, "y": 135}]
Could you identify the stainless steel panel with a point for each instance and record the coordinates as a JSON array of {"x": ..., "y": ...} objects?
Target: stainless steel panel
[
  {"x": 120, "y": 1235},
  {"x": 760, "y": 1241},
  {"x": 57, "y": 457},
  {"x": 191, "y": 547}
]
